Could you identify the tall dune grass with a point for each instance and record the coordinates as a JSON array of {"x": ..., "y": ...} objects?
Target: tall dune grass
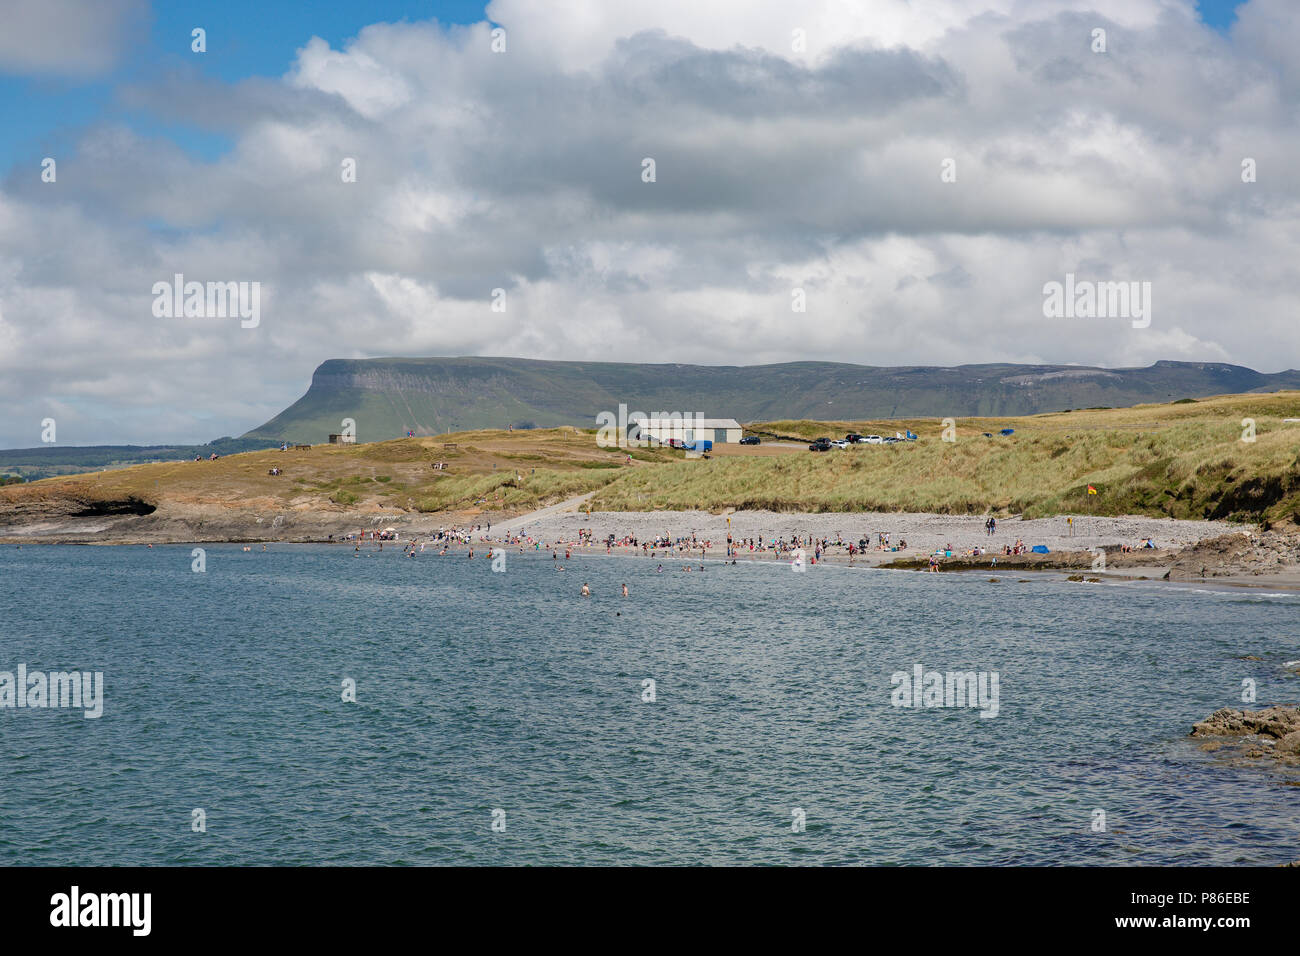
[{"x": 1183, "y": 461}]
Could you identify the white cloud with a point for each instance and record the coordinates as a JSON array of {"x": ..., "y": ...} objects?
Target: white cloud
[{"x": 522, "y": 171}]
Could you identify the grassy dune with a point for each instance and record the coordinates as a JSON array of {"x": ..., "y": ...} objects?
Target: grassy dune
[
  {"x": 1183, "y": 460},
  {"x": 487, "y": 470}
]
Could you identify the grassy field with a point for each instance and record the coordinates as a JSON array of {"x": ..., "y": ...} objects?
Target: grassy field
[
  {"x": 486, "y": 470},
  {"x": 1182, "y": 460}
]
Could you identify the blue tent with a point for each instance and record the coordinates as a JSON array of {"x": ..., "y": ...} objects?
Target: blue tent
[
  {"x": 1008, "y": 431},
  {"x": 1040, "y": 549}
]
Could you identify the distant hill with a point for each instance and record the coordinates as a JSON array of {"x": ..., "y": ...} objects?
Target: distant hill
[
  {"x": 48, "y": 461},
  {"x": 387, "y": 396},
  {"x": 1178, "y": 460},
  {"x": 431, "y": 396}
]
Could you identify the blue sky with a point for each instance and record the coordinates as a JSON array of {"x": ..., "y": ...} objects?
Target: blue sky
[
  {"x": 244, "y": 38},
  {"x": 42, "y": 115}
]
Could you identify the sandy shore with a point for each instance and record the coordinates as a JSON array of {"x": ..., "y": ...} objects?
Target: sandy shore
[
  {"x": 1195, "y": 553},
  {"x": 924, "y": 533},
  {"x": 1186, "y": 550}
]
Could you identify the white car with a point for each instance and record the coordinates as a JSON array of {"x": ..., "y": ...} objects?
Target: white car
[
  {"x": 839, "y": 443},
  {"x": 872, "y": 440}
]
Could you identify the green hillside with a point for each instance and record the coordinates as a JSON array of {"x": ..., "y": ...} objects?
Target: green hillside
[
  {"x": 387, "y": 396},
  {"x": 1181, "y": 460}
]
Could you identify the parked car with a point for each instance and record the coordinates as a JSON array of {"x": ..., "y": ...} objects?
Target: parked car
[
  {"x": 873, "y": 440},
  {"x": 840, "y": 443},
  {"x": 751, "y": 440},
  {"x": 820, "y": 444},
  {"x": 853, "y": 438}
]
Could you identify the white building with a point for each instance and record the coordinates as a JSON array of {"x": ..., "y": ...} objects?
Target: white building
[{"x": 679, "y": 428}]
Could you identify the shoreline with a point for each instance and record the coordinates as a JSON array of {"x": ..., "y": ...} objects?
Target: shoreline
[{"x": 1187, "y": 551}]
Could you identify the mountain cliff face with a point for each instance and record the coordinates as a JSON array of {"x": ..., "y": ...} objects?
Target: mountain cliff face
[{"x": 387, "y": 396}]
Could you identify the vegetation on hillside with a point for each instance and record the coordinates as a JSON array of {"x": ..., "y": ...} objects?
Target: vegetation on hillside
[
  {"x": 1183, "y": 460},
  {"x": 47, "y": 461},
  {"x": 485, "y": 470}
]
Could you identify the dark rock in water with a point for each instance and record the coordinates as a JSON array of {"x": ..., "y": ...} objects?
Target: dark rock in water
[{"x": 1276, "y": 731}]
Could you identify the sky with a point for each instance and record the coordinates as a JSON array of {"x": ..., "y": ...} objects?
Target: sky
[{"x": 914, "y": 173}]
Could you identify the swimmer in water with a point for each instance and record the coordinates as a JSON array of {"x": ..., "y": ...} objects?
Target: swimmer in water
[
  {"x": 586, "y": 591},
  {"x": 625, "y": 590}
]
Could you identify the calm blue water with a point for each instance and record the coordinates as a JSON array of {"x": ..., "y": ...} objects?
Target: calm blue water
[{"x": 479, "y": 691}]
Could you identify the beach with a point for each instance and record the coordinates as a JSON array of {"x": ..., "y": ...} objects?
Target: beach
[
  {"x": 924, "y": 533},
  {"x": 1183, "y": 549},
  {"x": 562, "y": 522},
  {"x": 1232, "y": 554}
]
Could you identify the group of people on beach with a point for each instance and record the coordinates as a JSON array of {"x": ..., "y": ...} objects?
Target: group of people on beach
[{"x": 803, "y": 549}]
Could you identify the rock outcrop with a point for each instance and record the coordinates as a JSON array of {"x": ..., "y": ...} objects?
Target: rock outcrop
[
  {"x": 1271, "y": 732},
  {"x": 1243, "y": 553}
]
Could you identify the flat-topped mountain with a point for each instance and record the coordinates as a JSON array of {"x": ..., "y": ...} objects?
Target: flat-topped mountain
[{"x": 387, "y": 396}]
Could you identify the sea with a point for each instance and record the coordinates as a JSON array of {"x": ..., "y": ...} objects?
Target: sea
[{"x": 311, "y": 705}]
